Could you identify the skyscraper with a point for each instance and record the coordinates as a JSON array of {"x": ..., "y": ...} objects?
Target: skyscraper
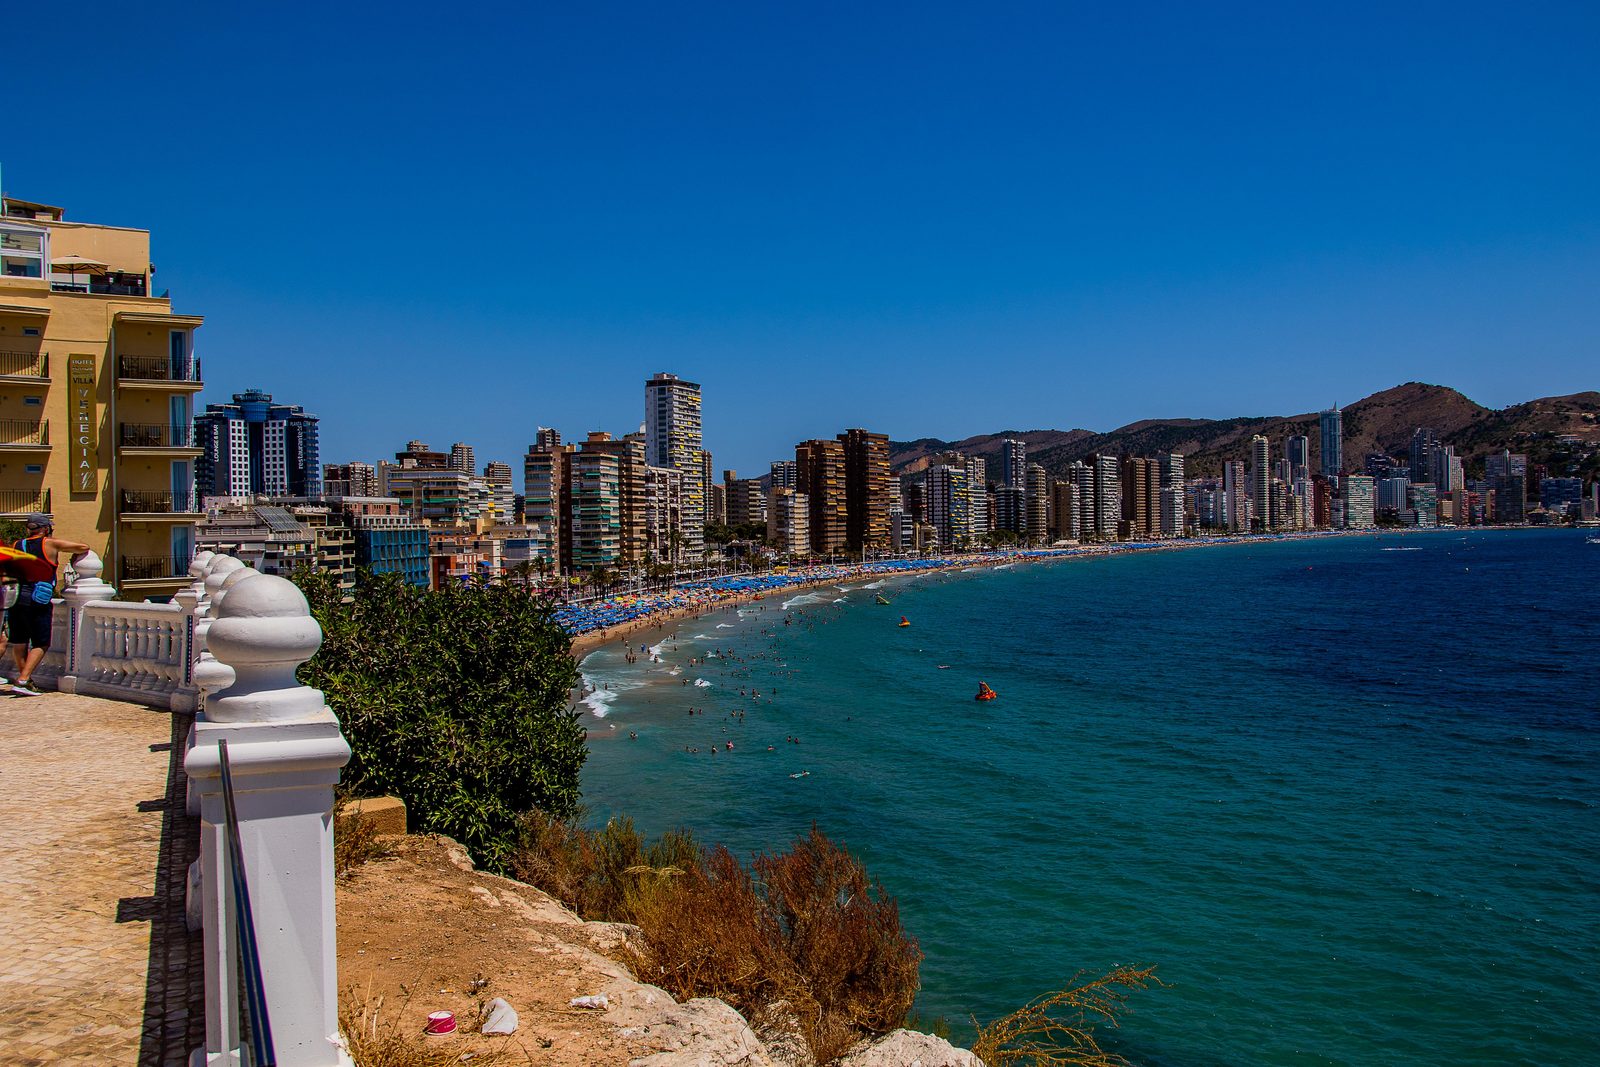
[
  {"x": 462, "y": 458},
  {"x": 1038, "y": 490},
  {"x": 1013, "y": 463},
  {"x": 1261, "y": 482},
  {"x": 783, "y": 474},
  {"x": 1360, "y": 512},
  {"x": 672, "y": 440},
  {"x": 977, "y": 493},
  {"x": 866, "y": 482},
  {"x": 1233, "y": 487},
  {"x": 1297, "y": 450},
  {"x": 945, "y": 493},
  {"x": 1331, "y": 423},
  {"x": 629, "y": 452},
  {"x": 1107, "y": 499},
  {"x": 253, "y": 446},
  {"x": 1424, "y": 445},
  {"x": 349, "y": 479},
  {"x": 820, "y": 474},
  {"x": 498, "y": 475}
]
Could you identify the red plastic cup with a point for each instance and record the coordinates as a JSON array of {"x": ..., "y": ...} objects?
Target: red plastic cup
[{"x": 440, "y": 1023}]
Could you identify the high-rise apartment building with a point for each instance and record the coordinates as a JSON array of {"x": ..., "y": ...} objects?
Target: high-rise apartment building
[
  {"x": 1297, "y": 451},
  {"x": 977, "y": 486},
  {"x": 945, "y": 495},
  {"x": 672, "y": 440},
  {"x": 788, "y": 521},
  {"x": 663, "y": 511},
  {"x": 1234, "y": 484},
  {"x": 783, "y": 474},
  {"x": 1107, "y": 500},
  {"x": 1013, "y": 463},
  {"x": 866, "y": 481},
  {"x": 1038, "y": 502},
  {"x": 253, "y": 447},
  {"x": 1331, "y": 425},
  {"x": 1138, "y": 489},
  {"x": 502, "y": 494},
  {"x": 594, "y": 509},
  {"x": 463, "y": 459},
  {"x": 99, "y": 376},
  {"x": 1424, "y": 446},
  {"x": 1170, "y": 477},
  {"x": 747, "y": 502},
  {"x": 820, "y": 474},
  {"x": 631, "y": 491},
  {"x": 1081, "y": 475},
  {"x": 1507, "y": 474},
  {"x": 349, "y": 479},
  {"x": 1261, "y": 482},
  {"x": 1064, "y": 510}
]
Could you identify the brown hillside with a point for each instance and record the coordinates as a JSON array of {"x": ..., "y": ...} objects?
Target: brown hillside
[{"x": 1382, "y": 422}]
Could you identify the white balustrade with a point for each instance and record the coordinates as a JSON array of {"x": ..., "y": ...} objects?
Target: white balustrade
[{"x": 227, "y": 647}]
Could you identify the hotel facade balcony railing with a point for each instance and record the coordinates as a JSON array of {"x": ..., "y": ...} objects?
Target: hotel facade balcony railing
[
  {"x": 98, "y": 287},
  {"x": 158, "y": 369},
  {"x": 155, "y": 435},
  {"x": 24, "y": 364},
  {"x": 23, "y": 501},
  {"x": 22, "y": 432},
  {"x": 145, "y": 568},
  {"x": 156, "y": 502}
]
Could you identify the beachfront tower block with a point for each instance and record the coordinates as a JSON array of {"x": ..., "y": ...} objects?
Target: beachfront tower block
[{"x": 672, "y": 440}]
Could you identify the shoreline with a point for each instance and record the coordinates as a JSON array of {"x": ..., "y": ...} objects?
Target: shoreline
[{"x": 589, "y": 641}]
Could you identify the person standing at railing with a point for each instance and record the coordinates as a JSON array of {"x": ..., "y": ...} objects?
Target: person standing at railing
[{"x": 28, "y": 621}]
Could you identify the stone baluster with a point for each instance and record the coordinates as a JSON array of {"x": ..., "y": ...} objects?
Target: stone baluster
[
  {"x": 286, "y": 751},
  {"x": 82, "y": 629}
]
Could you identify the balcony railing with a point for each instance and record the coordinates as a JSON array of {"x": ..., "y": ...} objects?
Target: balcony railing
[
  {"x": 100, "y": 287},
  {"x": 24, "y": 364},
  {"x": 23, "y": 501},
  {"x": 146, "y": 502},
  {"x": 139, "y": 435},
  {"x": 158, "y": 369},
  {"x": 21, "y": 432},
  {"x": 145, "y": 568}
]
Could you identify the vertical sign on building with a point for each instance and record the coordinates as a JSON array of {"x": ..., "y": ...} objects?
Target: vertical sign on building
[{"x": 83, "y": 453}]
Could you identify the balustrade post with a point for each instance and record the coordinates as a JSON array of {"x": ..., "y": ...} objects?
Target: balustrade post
[
  {"x": 80, "y": 635},
  {"x": 286, "y": 751}
]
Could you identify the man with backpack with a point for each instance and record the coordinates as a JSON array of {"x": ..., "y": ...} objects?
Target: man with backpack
[{"x": 28, "y": 621}]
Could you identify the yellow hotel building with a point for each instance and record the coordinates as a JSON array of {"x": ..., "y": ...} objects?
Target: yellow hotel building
[{"x": 98, "y": 379}]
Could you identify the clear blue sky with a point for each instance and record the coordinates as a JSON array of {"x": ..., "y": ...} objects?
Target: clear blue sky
[{"x": 460, "y": 223}]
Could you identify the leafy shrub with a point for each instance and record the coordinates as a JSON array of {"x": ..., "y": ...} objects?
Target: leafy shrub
[{"x": 455, "y": 700}]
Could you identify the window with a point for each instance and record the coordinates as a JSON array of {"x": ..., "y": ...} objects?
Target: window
[
  {"x": 32, "y": 401},
  {"x": 22, "y": 252},
  {"x": 33, "y": 468}
]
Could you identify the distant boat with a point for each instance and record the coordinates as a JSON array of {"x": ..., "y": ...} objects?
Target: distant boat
[
  {"x": 904, "y": 621},
  {"x": 880, "y": 599},
  {"x": 1592, "y": 540}
]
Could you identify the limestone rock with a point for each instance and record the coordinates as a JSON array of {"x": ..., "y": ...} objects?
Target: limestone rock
[
  {"x": 703, "y": 1033},
  {"x": 907, "y": 1048}
]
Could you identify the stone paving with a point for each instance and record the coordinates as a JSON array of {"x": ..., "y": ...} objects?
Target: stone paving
[{"x": 96, "y": 965}]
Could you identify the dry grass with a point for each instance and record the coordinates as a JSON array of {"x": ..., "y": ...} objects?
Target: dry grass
[
  {"x": 377, "y": 1041},
  {"x": 355, "y": 840},
  {"x": 1057, "y": 1029}
]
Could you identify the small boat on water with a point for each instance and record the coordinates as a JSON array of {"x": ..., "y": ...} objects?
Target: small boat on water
[
  {"x": 904, "y": 621},
  {"x": 801, "y": 774},
  {"x": 879, "y": 598},
  {"x": 985, "y": 693}
]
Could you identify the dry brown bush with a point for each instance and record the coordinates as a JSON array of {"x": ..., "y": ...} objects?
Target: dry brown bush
[
  {"x": 806, "y": 929},
  {"x": 355, "y": 840},
  {"x": 376, "y": 1041},
  {"x": 1057, "y": 1029}
]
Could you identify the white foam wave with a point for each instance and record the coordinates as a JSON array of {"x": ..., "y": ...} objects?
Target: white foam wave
[
  {"x": 724, "y": 625},
  {"x": 702, "y": 683},
  {"x": 874, "y": 585},
  {"x": 803, "y": 599},
  {"x": 1411, "y": 548},
  {"x": 842, "y": 600},
  {"x": 599, "y": 702}
]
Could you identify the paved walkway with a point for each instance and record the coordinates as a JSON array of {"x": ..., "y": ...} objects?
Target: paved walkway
[{"x": 96, "y": 965}]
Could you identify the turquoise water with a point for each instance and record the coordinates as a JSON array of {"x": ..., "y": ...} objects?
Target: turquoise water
[{"x": 1344, "y": 794}]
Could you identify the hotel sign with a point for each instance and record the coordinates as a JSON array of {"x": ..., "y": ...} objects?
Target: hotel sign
[{"x": 85, "y": 425}]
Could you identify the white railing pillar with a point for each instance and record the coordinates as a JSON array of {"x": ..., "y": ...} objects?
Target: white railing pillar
[
  {"x": 80, "y": 632},
  {"x": 286, "y": 751}
]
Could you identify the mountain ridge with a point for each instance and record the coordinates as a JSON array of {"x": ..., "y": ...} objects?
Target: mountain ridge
[{"x": 1382, "y": 422}]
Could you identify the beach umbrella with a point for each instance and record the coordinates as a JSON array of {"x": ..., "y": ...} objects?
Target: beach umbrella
[{"x": 74, "y": 265}]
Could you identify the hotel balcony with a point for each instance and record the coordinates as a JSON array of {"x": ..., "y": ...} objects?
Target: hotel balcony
[
  {"x": 18, "y": 502},
  {"x": 31, "y": 368},
  {"x": 113, "y": 284},
  {"x": 140, "y": 505},
  {"x": 153, "y": 569},
  {"x": 160, "y": 373},
  {"x": 157, "y": 438},
  {"x": 18, "y": 435}
]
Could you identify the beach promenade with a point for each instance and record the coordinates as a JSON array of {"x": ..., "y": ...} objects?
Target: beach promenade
[{"x": 96, "y": 965}]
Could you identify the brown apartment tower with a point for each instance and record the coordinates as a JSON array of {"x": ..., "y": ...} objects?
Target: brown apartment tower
[
  {"x": 819, "y": 473},
  {"x": 630, "y": 453},
  {"x": 866, "y": 489}
]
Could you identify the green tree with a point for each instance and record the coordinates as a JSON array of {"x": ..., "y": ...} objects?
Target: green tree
[{"x": 454, "y": 700}]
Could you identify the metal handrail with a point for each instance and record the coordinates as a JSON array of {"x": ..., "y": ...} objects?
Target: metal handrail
[
  {"x": 158, "y": 369},
  {"x": 257, "y": 1021},
  {"x": 146, "y": 568},
  {"x": 156, "y": 435},
  {"x": 24, "y": 432},
  {"x": 21, "y": 501},
  {"x": 25, "y": 364},
  {"x": 155, "y": 502}
]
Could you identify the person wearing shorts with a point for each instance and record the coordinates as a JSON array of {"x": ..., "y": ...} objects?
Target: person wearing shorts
[{"x": 28, "y": 621}]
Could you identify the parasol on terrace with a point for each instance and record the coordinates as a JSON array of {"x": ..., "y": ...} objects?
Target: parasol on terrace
[{"x": 74, "y": 265}]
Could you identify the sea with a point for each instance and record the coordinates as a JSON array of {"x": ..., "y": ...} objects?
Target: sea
[{"x": 1342, "y": 793}]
